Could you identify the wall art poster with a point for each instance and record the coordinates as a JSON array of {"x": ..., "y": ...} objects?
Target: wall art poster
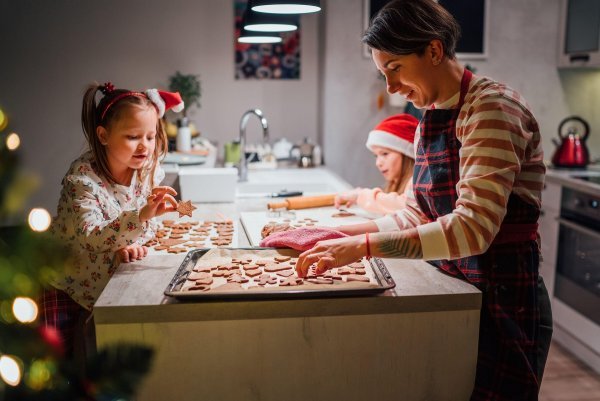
[{"x": 264, "y": 60}]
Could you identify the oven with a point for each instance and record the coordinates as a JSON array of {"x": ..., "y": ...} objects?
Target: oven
[{"x": 577, "y": 281}]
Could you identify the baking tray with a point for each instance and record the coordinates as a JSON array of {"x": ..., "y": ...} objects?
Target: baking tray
[{"x": 381, "y": 280}]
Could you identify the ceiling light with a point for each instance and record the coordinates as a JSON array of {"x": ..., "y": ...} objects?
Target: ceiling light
[
  {"x": 258, "y": 37},
  {"x": 262, "y": 22},
  {"x": 285, "y": 6}
]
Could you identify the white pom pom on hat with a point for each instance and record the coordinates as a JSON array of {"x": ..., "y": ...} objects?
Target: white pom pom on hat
[
  {"x": 396, "y": 132},
  {"x": 165, "y": 101}
]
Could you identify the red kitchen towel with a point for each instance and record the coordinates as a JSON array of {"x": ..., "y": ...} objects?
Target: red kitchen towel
[{"x": 301, "y": 238}]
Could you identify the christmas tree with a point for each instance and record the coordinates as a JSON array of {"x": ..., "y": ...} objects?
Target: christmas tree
[{"x": 32, "y": 362}]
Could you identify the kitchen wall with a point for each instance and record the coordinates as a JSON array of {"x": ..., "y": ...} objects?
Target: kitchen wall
[
  {"x": 523, "y": 37},
  {"x": 50, "y": 50}
]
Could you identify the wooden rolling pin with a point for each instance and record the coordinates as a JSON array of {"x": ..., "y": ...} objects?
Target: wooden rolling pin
[{"x": 303, "y": 202}]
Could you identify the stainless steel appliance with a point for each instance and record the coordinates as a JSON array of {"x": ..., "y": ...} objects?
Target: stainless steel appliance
[{"x": 577, "y": 281}]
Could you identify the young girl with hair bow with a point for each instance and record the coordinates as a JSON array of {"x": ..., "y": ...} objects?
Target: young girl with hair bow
[{"x": 108, "y": 202}]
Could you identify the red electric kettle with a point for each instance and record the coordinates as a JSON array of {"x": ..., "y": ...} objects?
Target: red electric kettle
[{"x": 572, "y": 151}]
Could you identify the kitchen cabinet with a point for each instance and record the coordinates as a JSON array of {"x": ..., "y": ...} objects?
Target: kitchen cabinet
[
  {"x": 579, "y": 41},
  {"x": 548, "y": 230}
]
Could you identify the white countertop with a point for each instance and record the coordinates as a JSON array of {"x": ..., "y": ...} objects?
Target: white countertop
[{"x": 135, "y": 292}]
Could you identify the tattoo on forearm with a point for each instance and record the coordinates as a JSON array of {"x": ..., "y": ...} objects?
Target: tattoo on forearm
[{"x": 399, "y": 245}]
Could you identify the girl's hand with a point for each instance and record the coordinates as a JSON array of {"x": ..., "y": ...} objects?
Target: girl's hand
[
  {"x": 332, "y": 253},
  {"x": 157, "y": 203},
  {"x": 346, "y": 198},
  {"x": 131, "y": 252}
]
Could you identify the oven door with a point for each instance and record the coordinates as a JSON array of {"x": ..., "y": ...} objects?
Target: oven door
[
  {"x": 578, "y": 269},
  {"x": 576, "y": 303}
]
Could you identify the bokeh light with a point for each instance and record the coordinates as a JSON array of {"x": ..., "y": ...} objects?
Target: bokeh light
[
  {"x": 39, "y": 219},
  {"x": 13, "y": 141},
  {"x": 39, "y": 375},
  {"x": 10, "y": 370},
  {"x": 25, "y": 309},
  {"x": 3, "y": 120}
]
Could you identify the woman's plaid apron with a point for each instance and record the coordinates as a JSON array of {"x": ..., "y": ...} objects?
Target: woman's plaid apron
[{"x": 506, "y": 273}]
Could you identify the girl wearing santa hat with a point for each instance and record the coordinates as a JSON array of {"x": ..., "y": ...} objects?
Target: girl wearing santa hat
[
  {"x": 108, "y": 202},
  {"x": 392, "y": 143}
]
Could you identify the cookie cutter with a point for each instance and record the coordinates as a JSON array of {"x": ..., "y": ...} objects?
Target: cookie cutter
[{"x": 282, "y": 212}]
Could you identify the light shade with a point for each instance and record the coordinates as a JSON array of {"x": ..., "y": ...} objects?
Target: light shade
[
  {"x": 285, "y": 6},
  {"x": 262, "y": 22},
  {"x": 258, "y": 37}
]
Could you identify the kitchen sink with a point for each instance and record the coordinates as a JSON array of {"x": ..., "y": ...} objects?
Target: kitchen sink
[
  {"x": 307, "y": 181},
  {"x": 266, "y": 189}
]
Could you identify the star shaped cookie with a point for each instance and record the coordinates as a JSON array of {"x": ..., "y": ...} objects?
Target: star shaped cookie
[{"x": 185, "y": 208}]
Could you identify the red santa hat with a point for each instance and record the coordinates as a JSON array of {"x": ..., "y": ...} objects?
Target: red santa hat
[
  {"x": 165, "y": 101},
  {"x": 397, "y": 133}
]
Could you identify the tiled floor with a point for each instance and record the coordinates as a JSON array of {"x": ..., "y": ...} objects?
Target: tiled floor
[{"x": 567, "y": 379}]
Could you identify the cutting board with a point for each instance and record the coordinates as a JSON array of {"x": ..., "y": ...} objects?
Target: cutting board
[{"x": 253, "y": 222}]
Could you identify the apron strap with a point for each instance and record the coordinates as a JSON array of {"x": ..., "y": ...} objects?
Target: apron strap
[{"x": 464, "y": 88}]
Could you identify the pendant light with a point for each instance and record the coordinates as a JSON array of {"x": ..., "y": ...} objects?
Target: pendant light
[
  {"x": 262, "y": 22},
  {"x": 285, "y": 6},
  {"x": 258, "y": 37}
]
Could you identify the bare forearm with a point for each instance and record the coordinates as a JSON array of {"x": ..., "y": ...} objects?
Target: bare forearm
[
  {"x": 396, "y": 244},
  {"x": 361, "y": 228}
]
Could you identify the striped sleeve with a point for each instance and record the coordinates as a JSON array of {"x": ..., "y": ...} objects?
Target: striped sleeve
[{"x": 500, "y": 153}]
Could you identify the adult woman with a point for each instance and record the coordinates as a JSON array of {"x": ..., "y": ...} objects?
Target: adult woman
[{"x": 478, "y": 178}]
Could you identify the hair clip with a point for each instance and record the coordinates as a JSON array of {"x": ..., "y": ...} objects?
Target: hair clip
[{"x": 107, "y": 88}]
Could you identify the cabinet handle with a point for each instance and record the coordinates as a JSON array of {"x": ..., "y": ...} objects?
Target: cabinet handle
[
  {"x": 579, "y": 57},
  {"x": 579, "y": 228}
]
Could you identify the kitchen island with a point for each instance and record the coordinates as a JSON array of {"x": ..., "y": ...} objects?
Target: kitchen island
[{"x": 415, "y": 342}]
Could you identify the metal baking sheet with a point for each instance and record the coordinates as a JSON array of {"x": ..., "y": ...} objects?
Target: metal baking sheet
[{"x": 381, "y": 280}]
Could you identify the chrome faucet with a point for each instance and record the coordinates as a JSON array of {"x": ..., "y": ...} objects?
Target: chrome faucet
[{"x": 243, "y": 164}]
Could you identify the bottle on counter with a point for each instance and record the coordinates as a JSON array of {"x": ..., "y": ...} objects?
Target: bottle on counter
[{"x": 184, "y": 135}]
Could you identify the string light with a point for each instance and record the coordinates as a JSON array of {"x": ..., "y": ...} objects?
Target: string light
[
  {"x": 3, "y": 120},
  {"x": 10, "y": 370},
  {"x": 39, "y": 375},
  {"x": 25, "y": 309},
  {"x": 39, "y": 219},
  {"x": 13, "y": 141}
]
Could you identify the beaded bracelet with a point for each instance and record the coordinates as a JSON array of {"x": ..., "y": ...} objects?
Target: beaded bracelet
[{"x": 368, "y": 248}]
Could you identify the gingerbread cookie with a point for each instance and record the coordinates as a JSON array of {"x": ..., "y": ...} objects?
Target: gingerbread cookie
[
  {"x": 253, "y": 272},
  {"x": 185, "y": 208},
  {"x": 199, "y": 287},
  {"x": 194, "y": 276},
  {"x": 343, "y": 214},
  {"x": 291, "y": 282},
  {"x": 265, "y": 279},
  {"x": 320, "y": 280},
  {"x": 273, "y": 267},
  {"x": 204, "y": 281},
  {"x": 356, "y": 277},
  {"x": 176, "y": 250},
  {"x": 285, "y": 273}
]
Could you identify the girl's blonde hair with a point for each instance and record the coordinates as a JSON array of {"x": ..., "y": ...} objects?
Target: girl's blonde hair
[
  {"x": 105, "y": 114},
  {"x": 398, "y": 184}
]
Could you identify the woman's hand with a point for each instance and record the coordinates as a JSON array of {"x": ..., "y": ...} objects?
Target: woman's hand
[
  {"x": 158, "y": 203},
  {"x": 346, "y": 198},
  {"x": 132, "y": 252},
  {"x": 332, "y": 253}
]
